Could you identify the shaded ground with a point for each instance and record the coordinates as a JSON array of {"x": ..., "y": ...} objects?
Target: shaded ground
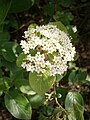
[
  {"x": 83, "y": 25},
  {"x": 83, "y": 48}
]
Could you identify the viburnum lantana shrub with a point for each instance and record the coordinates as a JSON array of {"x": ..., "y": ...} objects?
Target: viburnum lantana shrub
[
  {"x": 46, "y": 48},
  {"x": 53, "y": 50}
]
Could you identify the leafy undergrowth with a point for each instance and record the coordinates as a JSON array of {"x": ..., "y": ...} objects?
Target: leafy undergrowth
[{"x": 73, "y": 14}]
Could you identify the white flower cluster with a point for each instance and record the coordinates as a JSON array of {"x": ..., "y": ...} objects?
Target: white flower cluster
[{"x": 53, "y": 50}]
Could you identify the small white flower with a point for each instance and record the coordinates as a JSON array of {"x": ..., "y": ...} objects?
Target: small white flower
[
  {"x": 23, "y": 65},
  {"x": 54, "y": 50}
]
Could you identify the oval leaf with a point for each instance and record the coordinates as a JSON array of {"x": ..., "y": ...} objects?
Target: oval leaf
[
  {"x": 23, "y": 85},
  {"x": 4, "y": 7},
  {"x": 20, "y": 59},
  {"x": 59, "y": 26},
  {"x": 18, "y": 105},
  {"x": 74, "y": 104},
  {"x": 40, "y": 83},
  {"x": 4, "y": 36},
  {"x": 32, "y": 26},
  {"x": 74, "y": 98},
  {"x": 9, "y": 51},
  {"x": 20, "y": 5},
  {"x": 59, "y": 77},
  {"x": 72, "y": 77},
  {"x": 36, "y": 100}
]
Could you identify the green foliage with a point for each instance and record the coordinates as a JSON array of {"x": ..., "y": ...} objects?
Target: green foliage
[
  {"x": 24, "y": 91},
  {"x": 41, "y": 83},
  {"x": 66, "y": 17},
  {"x": 13, "y": 22},
  {"x": 67, "y": 3},
  {"x": 9, "y": 51},
  {"x": 23, "y": 85},
  {"x": 20, "y": 59},
  {"x": 77, "y": 76},
  {"x": 18, "y": 105},
  {"x": 4, "y": 36},
  {"x": 4, "y": 8},
  {"x": 59, "y": 25},
  {"x": 49, "y": 8},
  {"x": 61, "y": 93},
  {"x": 74, "y": 104},
  {"x": 5, "y": 83},
  {"x": 20, "y": 5},
  {"x": 1, "y": 93},
  {"x": 46, "y": 113},
  {"x": 36, "y": 100},
  {"x": 32, "y": 26}
]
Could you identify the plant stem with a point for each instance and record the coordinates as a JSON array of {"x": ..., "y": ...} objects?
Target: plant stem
[
  {"x": 59, "y": 103},
  {"x": 60, "y": 106}
]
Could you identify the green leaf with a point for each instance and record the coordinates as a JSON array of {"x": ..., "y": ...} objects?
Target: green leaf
[
  {"x": 59, "y": 77},
  {"x": 4, "y": 7},
  {"x": 23, "y": 85},
  {"x": 18, "y": 105},
  {"x": 1, "y": 27},
  {"x": 46, "y": 112},
  {"x": 74, "y": 98},
  {"x": 20, "y": 59},
  {"x": 59, "y": 25},
  {"x": 11, "y": 66},
  {"x": 13, "y": 22},
  {"x": 73, "y": 34},
  {"x": 77, "y": 76},
  {"x": 41, "y": 83},
  {"x": 69, "y": 16},
  {"x": 87, "y": 81},
  {"x": 5, "y": 83},
  {"x": 65, "y": 18},
  {"x": 4, "y": 36},
  {"x": 9, "y": 51},
  {"x": 72, "y": 77},
  {"x": 74, "y": 104},
  {"x": 20, "y": 5},
  {"x": 49, "y": 9},
  {"x": 67, "y": 3},
  {"x": 1, "y": 92},
  {"x": 32, "y": 26},
  {"x": 76, "y": 115},
  {"x": 82, "y": 74},
  {"x": 36, "y": 100},
  {"x": 61, "y": 93}
]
